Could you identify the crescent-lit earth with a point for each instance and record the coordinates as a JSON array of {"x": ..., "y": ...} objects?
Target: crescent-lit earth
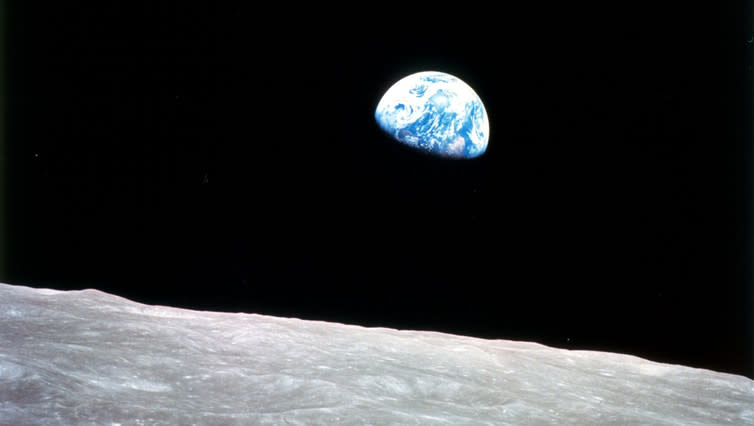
[{"x": 435, "y": 112}]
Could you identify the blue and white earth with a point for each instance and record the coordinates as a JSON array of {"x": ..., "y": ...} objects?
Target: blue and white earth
[{"x": 435, "y": 112}]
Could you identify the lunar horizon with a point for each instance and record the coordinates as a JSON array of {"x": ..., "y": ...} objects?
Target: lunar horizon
[{"x": 88, "y": 357}]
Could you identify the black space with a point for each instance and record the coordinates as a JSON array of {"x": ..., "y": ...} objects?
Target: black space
[{"x": 225, "y": 157}]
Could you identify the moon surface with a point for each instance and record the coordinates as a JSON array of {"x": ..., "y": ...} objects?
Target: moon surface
[
  {"x": 437, "y": 113},
  {"x": 88, "y": 357}
]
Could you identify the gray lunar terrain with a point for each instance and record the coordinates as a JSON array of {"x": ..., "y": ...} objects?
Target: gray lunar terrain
[{"x": 88, "y": 357}]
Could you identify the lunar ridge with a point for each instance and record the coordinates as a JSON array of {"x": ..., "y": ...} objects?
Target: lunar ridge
[{"x": 88, "y": 357}]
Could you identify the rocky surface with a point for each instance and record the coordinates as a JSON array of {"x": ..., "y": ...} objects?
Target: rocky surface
[{"x": 87, "y": 357}]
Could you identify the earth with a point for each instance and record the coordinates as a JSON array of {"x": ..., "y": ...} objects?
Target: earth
[{"x": 437, "y": 113}]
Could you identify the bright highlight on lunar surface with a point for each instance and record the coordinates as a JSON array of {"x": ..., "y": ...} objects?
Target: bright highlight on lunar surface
[
  {"x": 91, "y": 358},
  {"x": 437, "y": 113}
]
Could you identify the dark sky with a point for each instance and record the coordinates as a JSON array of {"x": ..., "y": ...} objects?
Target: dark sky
[{"x": 227, "y": 158}]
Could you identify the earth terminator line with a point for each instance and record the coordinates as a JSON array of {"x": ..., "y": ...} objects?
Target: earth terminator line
[{"x": 437, "y": 113}]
